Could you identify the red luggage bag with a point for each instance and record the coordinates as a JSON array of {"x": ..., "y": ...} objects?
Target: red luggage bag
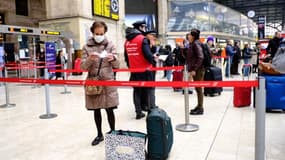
[
  {"x": 77, "y": 64},
  {"x": 242, "y": 96},
  {"x": 177, "y": 76}
]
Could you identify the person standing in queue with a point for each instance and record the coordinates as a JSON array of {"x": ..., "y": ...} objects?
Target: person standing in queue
[
  {"x": 151, "y": 36},
  {"x": 100, "y": 50},
  {"x": 194, "y": 60},
  {"x": 138, "y": 55},
  {"x": 273, "y": 45},
  {"x": 60, "y": 62}
]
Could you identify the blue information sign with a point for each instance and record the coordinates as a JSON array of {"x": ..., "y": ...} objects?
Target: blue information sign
[{"x": 50, "y": 55}]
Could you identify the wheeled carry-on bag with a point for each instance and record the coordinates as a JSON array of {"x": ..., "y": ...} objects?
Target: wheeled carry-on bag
[
  {"x": 213, "y": 74},
  {"x": 159, "y": 133},
  {"x": 177, "y": 76},
  {"x": 242, "y": 95}
]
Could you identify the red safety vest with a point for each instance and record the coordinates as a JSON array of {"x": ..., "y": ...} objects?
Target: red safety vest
[{"x": 135, "y": 54}]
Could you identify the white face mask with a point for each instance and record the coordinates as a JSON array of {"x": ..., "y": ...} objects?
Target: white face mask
[{"x": 99, "y": 39}]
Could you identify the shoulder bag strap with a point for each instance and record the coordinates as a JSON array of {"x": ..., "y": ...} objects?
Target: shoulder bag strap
[{"x": 100, "y": 64}]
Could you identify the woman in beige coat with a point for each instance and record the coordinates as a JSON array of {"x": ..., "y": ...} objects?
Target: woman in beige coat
[{"x": 98, "y": 47}]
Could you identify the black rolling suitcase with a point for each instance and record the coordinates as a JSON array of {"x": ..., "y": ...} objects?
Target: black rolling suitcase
[{"x": 213, "y": 74}]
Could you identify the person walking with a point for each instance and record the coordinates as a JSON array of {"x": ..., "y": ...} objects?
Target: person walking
[
  {"x": 99, "y": 52},
  {"x": 138, "y": 55},
  {"x": 194, "y": 60}
]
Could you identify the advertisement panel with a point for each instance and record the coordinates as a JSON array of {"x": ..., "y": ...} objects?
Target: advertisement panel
[
  {"x": 50, "y": 50},
  {"x": 261, "y": 27},
  {"x": 148, "y": 18}
]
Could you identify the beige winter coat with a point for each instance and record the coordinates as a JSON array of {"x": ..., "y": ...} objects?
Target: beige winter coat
[{"x": 109, "y": 96}]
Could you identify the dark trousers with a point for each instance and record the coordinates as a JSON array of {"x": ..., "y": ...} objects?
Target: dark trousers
[
  {"x": 199, "y": 77},
  {"x": 234, "y": 67},
  {"x": 144, "y": 98}
]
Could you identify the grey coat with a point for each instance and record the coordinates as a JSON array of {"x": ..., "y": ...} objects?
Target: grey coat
[
  {"x": 278, "y": 62},
  {"x": 109, "y": 96}
]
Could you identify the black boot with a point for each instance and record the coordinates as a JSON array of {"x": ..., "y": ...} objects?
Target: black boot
[{"x": 197, "y": 111}]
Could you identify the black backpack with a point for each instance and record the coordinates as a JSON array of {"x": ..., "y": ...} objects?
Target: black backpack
[{"x": 207, "y": 55}]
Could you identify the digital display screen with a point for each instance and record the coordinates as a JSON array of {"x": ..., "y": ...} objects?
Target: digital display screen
[
  {"x": 106, "y": 8},
  {"x": 22, "y": 30}
]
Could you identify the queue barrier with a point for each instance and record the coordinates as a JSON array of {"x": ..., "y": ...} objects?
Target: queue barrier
[
  {"x": 260, "y": 98},
  {"x": 7, "y": 94}
]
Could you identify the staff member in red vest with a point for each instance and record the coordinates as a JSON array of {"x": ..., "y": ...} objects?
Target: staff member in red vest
[{"x": 138, "y": 55}]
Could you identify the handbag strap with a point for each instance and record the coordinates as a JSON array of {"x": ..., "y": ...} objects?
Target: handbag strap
[{"x": 100, "y": 64}]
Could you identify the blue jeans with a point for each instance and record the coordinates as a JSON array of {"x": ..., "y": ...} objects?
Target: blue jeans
[
  {"x": 227, "y": 70},
  {"x": 168, "y": 74},
  {"x": 246, "y": 69}
]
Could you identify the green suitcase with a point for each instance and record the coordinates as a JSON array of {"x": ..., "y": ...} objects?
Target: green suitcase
[{"x": 159, "y": 133}]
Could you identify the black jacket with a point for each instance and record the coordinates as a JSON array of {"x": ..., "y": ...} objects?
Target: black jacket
[{"x": 273, "y": 46}]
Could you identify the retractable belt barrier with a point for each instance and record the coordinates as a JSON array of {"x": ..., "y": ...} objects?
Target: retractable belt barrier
[
  {"x": 32, "y": 67},
  {"x": 251, "y": 83},
  {"x": 124, "y": 69}
]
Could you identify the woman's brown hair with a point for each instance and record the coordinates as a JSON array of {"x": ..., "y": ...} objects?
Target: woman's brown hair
[{"x": 97, "y": 24}]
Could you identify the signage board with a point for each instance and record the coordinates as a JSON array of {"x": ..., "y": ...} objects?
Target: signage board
[{"x": 106, "y": 8}]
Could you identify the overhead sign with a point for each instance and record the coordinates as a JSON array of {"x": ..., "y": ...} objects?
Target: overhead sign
[
  {"x": 106, "y": 8},
  {"x": 21, "y": 30},
  {"x": 50, "y": 32}
]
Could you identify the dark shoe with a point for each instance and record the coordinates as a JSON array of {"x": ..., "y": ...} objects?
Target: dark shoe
[
  {"x": 197, "y": 111},
  {"x": 189, "y": 92},
  {"x": 97, "y": 140},
  {"x": 192, "y": 110},
  {"x": 177, "y": 89},
  {"x": 140, "y": 115},
  {"x": 145, "y": 108}
]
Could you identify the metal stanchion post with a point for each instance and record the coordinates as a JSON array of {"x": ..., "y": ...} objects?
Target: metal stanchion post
[
  {"x": 260, "y": 97},
  {"x": 187, "y": 127},
  {"x": 65, "y": 77},
  {"x": 48, "y": 115},
  {"x": 8, "y": 104},
  {"x": 35, "y": 74}
]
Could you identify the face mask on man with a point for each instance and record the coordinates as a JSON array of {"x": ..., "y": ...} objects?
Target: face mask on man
[{"x": 99, "y": 39}]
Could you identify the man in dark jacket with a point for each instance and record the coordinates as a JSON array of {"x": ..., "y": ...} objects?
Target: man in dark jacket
[
  {"x": 273, "y": 45},
  {"x": 194, "y": 60},
  {"x": 230, "y": 54},
  {"x": 138, "y": 55},
  {"x": 236, "y": 59}
]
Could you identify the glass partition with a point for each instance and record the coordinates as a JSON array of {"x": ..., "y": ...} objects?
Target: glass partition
[{"x": 208, "y": 16}]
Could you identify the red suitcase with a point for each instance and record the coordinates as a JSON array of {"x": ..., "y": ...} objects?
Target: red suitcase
[
  {"x": 242, "y": 96},
  {"x": 177, "y": 76},
  {"x": 77, "y": 64}
]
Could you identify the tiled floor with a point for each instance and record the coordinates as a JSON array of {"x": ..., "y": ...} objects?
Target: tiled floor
[{"x": 226, "y": 133}]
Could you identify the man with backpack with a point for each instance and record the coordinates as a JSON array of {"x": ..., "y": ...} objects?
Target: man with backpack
[{"x": 194, "y": 59}]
